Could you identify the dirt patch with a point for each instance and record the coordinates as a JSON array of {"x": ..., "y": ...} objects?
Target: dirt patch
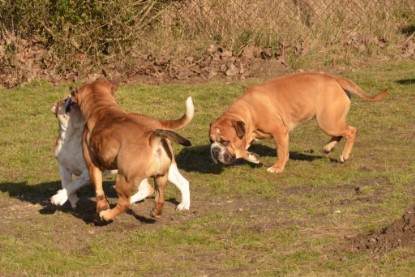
[
  {"x": 33, "y": 62},
  {"x": 400, "y": 233}
]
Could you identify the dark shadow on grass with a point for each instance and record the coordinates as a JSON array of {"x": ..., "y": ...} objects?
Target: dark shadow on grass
[
  {"x": 266, "y": 151},
  {"x": 197, "y": 158},
  {"x": 410, "y": 81},
  {"x": 408, "y": 30},
  {"x": 86, "y": 209}
]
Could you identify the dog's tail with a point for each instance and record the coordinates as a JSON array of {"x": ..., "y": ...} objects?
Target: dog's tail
[
  {"x": 350, "y": 87},
  {"x": 183, "y": 121},
  {"x": 168, "y": 134}
]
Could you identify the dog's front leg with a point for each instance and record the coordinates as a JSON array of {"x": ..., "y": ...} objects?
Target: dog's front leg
[
  {"x": 281, "y": 137},
  {"x": 96, "y": 179},
  {"x": 80, "y": 182},
  {"x": 160, "y": 185},
  {"x": 62, "y": 195}
]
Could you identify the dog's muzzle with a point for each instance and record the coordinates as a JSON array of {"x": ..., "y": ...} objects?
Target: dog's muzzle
[
  {"x": 68, "y": 104},
  {"x": 219, "y": 153}
]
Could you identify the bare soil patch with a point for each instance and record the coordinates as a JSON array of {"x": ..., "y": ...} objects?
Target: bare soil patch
[
  {"x": 399, "y": 233},
  {"x": 33, "y": 62}
]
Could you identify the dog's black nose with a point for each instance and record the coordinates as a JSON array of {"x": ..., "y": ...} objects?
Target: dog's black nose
[{"x": 215, "y": 151}]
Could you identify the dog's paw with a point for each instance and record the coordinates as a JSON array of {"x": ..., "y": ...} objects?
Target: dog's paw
[
  {"x": 155, "y": 214},
  {"x": 59, "y": 198},
  {"x": 327, "y": 150},
  {"x": 105, "y": 215},
  {"x": 343, "y": 159},
  {"x": 102, "y": 205},
  {"x": 252, "y": 157},
  {"x": 183, "y": 207},
  {"x": 274, "y": 169}
]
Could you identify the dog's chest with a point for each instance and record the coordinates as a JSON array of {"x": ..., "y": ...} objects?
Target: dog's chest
[{"x": 69, "y": 155}]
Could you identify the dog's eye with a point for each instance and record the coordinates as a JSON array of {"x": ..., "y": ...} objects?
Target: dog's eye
[{"x": 225, "y": 142}]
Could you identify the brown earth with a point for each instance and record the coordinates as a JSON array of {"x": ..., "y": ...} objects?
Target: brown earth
[
  {"x": 259, "y": 214},
  {"x": 32, "y": 62},
  {"x": 400, "y": 232}
]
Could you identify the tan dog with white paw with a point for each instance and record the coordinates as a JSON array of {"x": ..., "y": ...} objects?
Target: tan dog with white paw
[
  {"x": 274, "y": 108},
  {"x": 137, "y": 145}
]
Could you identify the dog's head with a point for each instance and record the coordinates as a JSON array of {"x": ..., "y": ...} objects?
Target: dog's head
[
  {"x": 228, "y": 142},
  {"x": 88, "y": 93},
  {"x": 66, "y": 113}
]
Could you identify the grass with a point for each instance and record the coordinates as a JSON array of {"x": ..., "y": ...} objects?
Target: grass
[{"x": 243, "y": 220}]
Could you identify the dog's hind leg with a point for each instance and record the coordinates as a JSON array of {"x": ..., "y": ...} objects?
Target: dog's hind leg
[
  {"x": 124, "y": 190},
  {"x": 182, "y": 184},
  {"x": 160, "y": 185},
  {"x": 331, "y": 144},
  {"x": 332, "y": 121},
  {"x": 349, "y": 133},
  {"x": 350, "y": 136}
]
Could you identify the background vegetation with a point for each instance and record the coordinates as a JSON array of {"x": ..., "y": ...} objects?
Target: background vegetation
[{"x": 67, "y": 39}]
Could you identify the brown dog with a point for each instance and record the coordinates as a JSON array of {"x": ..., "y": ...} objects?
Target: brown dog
[
  {"x": 274, "y": 108},
  {"x": 137, "y": 145},
  {"x": 68, "y": 152}
]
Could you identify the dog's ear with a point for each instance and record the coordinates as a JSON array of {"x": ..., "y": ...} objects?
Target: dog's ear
[
  {"x": 239, "y": 127},
  {"x": 73, "y": 90},
  {"x": 74, "y": 95}
]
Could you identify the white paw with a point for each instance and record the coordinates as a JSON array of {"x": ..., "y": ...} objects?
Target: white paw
[
  {"x": 59, "y": 198},
  {"x": 252, "y": 157},
  {"x": 183, "y": 207}
]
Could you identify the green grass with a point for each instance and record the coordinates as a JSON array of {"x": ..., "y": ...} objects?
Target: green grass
[{"x": 243, "y": 221}]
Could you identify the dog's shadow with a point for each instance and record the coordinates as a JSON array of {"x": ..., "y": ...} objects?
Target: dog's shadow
[
  {"x": 86, "y": 209},
  {"x": 409, "y": 81},
  {"x": 198, "y": 159}
]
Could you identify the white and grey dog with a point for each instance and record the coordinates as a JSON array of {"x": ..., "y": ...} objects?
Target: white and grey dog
[{"x": 68, "y": 152}]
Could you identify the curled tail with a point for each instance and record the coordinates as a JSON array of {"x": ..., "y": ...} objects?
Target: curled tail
[
  {"x": 167, "y": 134},
  {"x": 351, "y": 87},
  {"x": 183, "y": 121}
]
